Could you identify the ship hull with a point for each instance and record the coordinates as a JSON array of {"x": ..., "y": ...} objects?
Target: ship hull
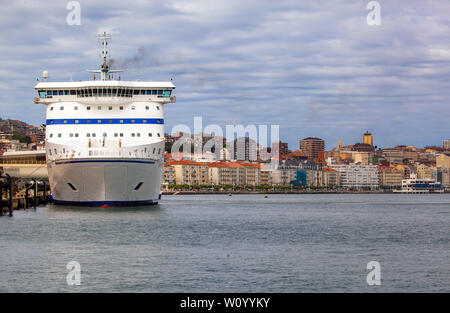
[{"x": 109, "y": 181}]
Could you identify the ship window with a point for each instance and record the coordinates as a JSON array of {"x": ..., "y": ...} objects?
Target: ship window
[
  {"x": 159, "y": 135},
  {"x": 56, "y": 152},
  {"x": 104, "y": 135},
  {"x": 115, "y": 134},
  {"x": 59, "y": 135},
  {"x": 157, "y": 107},
  {"x": 93, "y": 135},
  {"x": 73, "y": 92},
  {"x": 61, "y": 108},
  {"x": 88, "y": 121},
  {"x": 132, "y": 121},
  {"x": 121, "y": 121},
  {"x": 149, "y": 134},
  {"x": 75, "y": 108},
  {"x": 121, "y": 108},
  {"x": 133, "y": 107},
  {"x": 119, "y": 92},
  {"x": 159, "y": 151},
  {"x": 66, "y": 92},
  {"x": 136, "y": 92},
  {"x": 61, "y": 92},
  {"x": 90, "y": 92},
  {"x": 110, "y": 108},
  {"x": 88, "y": 135},
  {"x": 99, "y": 107},
  {"x": 88, "y": 108},
  {"x": 100, "y": 92},
  {"x": 77, "y": 121},
  {"x": 76, "y": 135},
  {"x": 144, "y": 121},
  {"x": 139, "y": 134},
  {"x": 104, "y": 92},
  {"x": 121, "y": 134},
  {"x": 132, "y": 135},
  {"x": 154, "y": 149},
  {"x": 114, "y": 92},
  {"x": 94, "y": 91},
  {"x": 78, "y": 93},
  {"x": 51, "y": 121},
  {"x": 42, "y": 94},
  {"x": 99, "y": 121},
  {"x": 154, "y": 92},
  {"x": 71, "y": 135},
  {"x": 51, "y": 108},
  {"x": 110, "y": 121},
  {"x": 148, "y": 92},
  {"x": 142, "y": 92},
  {"x": 109, "y": 91},
  {"x": 147, "y": 107},
  {"x": 51, "y": 135},
  {"x": 160, "y": 92},
  {"x": 167, "y": 93},
  {"x": 65, "y": 121}
]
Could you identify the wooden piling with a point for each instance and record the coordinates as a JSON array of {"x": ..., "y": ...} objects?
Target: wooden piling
[
  {"x": 11, "y": 195},
  {"x": 35, "y": 194},
  {"x": 1, "y": 198}
]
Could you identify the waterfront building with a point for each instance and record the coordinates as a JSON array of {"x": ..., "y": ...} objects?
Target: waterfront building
[
  {"x": 443, "y": 160},
  {"x": 265, "y": 177},
  {"x": 244, "y": 149},
  {"x": 357, "y": 175},
  {"x": 424, "y": 171},
  {"x": 24, "y": 164},
  {"x": 389, "y": 177},
  {"x": 189, "y": 172},
  {"x": 169, "y": 174},
  {"x": 312, "y": 146},
  {"x": 330, "y": 177},
  {"x": 280, "y": 149}
]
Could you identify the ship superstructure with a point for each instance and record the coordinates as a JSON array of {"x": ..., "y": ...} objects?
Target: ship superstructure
[{"x": 105, "y": 138}]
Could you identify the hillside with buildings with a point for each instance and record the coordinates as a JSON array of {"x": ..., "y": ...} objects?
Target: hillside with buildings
[
  {"x": 206, "y": 161},
  {"x": 16, "y": 135}
]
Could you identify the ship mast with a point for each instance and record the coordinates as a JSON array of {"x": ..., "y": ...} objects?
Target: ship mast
[{"x": 104, "y": 71}]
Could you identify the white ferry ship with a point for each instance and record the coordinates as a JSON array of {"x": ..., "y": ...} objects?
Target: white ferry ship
[
  {"x": 105, "y": 138},
  {"x": 418, "y": 185}
]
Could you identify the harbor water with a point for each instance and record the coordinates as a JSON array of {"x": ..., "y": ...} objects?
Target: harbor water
[{"x": 242, "y": 243}]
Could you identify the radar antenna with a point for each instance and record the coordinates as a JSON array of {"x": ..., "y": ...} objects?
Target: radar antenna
[{"x": 104, "y": 71}]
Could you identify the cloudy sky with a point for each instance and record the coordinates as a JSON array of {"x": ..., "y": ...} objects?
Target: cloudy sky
[{"x": 316, "y": 68}]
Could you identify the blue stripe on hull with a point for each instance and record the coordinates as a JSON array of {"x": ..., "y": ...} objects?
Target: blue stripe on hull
[
  {"x": 94, "y": 121},
  {"x": 104, "y": 161},
  {"x": 108, "y": 203}
]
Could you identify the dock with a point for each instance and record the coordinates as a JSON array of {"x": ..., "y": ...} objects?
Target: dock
[{"x": 18, "y": 193}]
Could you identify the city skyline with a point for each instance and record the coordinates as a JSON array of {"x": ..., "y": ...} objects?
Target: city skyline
[{"x": 317, "y": 70}]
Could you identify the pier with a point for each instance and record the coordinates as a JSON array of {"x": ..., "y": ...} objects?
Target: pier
[{"x": 18, "y": 193}]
